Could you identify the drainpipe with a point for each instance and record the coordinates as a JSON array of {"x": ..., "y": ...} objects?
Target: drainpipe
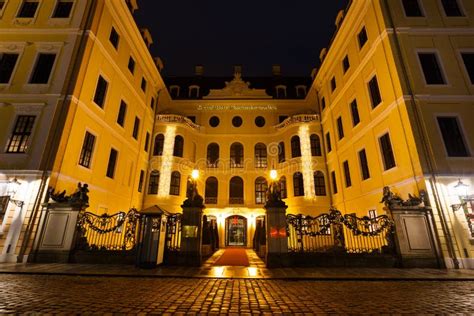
[
  {"x": 150, "y": 152},
  {"x": 63, "y": 108},
  {"x": 425, "y": 143}
]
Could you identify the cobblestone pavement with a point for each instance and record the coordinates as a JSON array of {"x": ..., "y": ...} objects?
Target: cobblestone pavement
[{"x": 76, "y": 294}]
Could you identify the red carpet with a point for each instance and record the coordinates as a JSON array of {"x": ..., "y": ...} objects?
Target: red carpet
[{"x": 233, "y": 257}]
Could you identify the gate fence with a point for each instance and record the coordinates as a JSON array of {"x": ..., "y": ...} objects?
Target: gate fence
[
  {"x": 108, "y": 232},
  {"x": 334, "y": 231}
]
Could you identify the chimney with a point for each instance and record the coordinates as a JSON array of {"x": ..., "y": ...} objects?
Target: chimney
[
  {"x": 199, "y": 70},
  {"x": 323, "y": 53},
  {"x": 146, "y": 37},
  {"x": 238, "y": 69},
  {"x": 339, "y": 19},
  {"x": 159, "y": 63},
  {"x": 276, "y": 70}
]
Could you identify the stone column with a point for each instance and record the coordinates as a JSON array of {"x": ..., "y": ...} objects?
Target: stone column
[{"x": 277, "y": 240}]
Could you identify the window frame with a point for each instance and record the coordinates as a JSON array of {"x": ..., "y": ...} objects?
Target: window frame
[
  {"x": 136, "y": 128},
  {"x": 154, "y": 186},
  {"x": 420, "y": 6},
  {"x": 347, "y": 173},
  {"x": 112, "y": 30},
  {"x": 344, "y": 69},
  {"x": 462, "y": 130},
  {"x": 233, "y": 154},
  {"x": 107, "y": 80},
  {"x": 295, "y": 151},
  {"x": 94, "y": 149},
  {"x": 122, "y": 101},
  {"x": 260, "y": 190},
  {"x": 351, "y": 107},
  {"x": 261, "y": 155},
  {"x": 70, "y": 12},
  {"x": 442, "y": 70},
  {"x": 112, "y": 177},
  {"x": 214, "y": 164},
  {"x": 362, "y": 29},
  {"x": 17, "y": 62},
  {"x": 175, "y": 189},
  {"x": 319, "y": 190},
  {"x": 340, "y": 128},
  {"x": 33, "y": 18},
  {"x": 40, "y": 51},
  {"x": 28, "y": 141},
  {"x": 370, "y": 78},
  {"x": 382, "y": 156},
  {"x": 363, "y": 168},
  {"x": 460, "y": 52},
  {"x": 298, "y": 186},
  {"x": 461, "y": 7}
]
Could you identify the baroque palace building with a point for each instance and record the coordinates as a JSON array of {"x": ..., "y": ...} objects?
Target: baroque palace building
[{"x": 82, "y": 100}]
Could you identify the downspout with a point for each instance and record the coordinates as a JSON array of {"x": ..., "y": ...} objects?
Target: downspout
[
  {"x": 323, "y": 143},
  {"x": 424, "y": 141},
  {"x": 150, "y": 152},
  {"x": 63, "y": 108}
]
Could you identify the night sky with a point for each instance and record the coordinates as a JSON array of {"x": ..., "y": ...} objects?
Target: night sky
[{"x": 254, "y": 33}]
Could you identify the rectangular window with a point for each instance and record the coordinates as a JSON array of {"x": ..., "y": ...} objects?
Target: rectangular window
[
  {"x": 362, "y": 37},
  {"x": 355, "y": 113},
  {"x": 347, "y": 174},
  {"x": 453, "y": 137},
  {"x": 387, "y": 152},
  {"x": 334, "y": 182},
  {"x": 152, "y": 105},
  {"x": 333, "y": 84},
  {"x": 364, "y": 165},
  {"x": 122, "y": 112},
  {"x": 114, "y": 37},
  {"x": 147, "y": 141},
  {"x": 63, "y": 9},
  {"x": 7, "y": 65},
  {"x": 112, "y": 163},
  {"x": 136, "y": 127},
  {"x": 21, "y": 134},
  {"x": 87, "y": 150},
  {"x": 143, "y": 85},
  {"x": 131, "y": 64},
  {"x": 328, "y": 142},
  {"x": 340, "y": 128},
  {"x": 412, "y": 8},
  {"x": 28, "y": 9},
  {"x": 101, "y": 91},
  {"x": 2, "y": 5},
  {"x": 346, "y": 64},
  {"x": 374, "y": 90},
  {"x": 468, "y": 59},
  {"x": 451, "y": 8},
  {"x": 43, "y": 68},
  {"x": 431, "y": 68},
  {"x": 323, "y": 103},
  {"x": 140, "y": 181}
]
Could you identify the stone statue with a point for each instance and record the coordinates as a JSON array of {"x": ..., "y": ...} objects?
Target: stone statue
[
  {"x": 192, "y": 194},
  {"x": 81, "y": 194},
  {"x": 390, "y": 199},
  {"x": 274, "y": 195}
]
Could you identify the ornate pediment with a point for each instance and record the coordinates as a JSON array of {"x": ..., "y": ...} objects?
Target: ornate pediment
[{"x": 237, "y": 89}]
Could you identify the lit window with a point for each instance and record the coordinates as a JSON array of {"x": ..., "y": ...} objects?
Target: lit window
[
  {"x": 236, "y": 155},
  {"x": 260, "y": 155},
  {"x": 21, "y": 134},
  {"x": 175, "y": 183},
  {"x": 261, "y": 187}
]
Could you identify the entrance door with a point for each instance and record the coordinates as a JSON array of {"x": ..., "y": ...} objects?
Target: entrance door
[{"x": 236, "y": 231}]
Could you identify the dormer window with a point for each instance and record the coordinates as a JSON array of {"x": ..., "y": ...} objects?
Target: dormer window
[
  {"x": 300, "y": 91},
  {"x": 193, "y": 92},
  {"x": 280, "y": 92},
  {"x": 174, "y": 91}
]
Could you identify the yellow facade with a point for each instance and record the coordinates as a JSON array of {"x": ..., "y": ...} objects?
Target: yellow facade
[{"x": 405, "y": 119}]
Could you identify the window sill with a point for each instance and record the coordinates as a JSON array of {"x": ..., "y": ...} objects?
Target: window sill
[{"x": 23, "y": 21}]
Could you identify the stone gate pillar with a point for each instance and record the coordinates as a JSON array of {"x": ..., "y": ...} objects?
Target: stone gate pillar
[
  {"x": 191, "y": 223},
  {"x": 277, "y": 239}
]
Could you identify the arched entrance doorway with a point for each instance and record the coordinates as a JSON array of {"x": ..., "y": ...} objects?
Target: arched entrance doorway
[{"x": 236, "y": 231}]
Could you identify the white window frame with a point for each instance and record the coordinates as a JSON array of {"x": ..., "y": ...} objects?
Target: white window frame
[{"x": 440, "y": 64}]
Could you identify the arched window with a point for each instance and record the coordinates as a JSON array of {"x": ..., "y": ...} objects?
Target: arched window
[
  {"x": 154, "y": 182},
  {"x": 174, "y": 91},
  {"x": 260, "y": 155},
  {"x": 315, "y": 145},
  {"x": 236, "y": 191},
  {"x": 319, "y": 184},
  {"x": 281, "y": 152},
  {"x": 193, "y": 92},
  {"x": 158, "y": 146},
  {"x": 261, "y": 186},
  {"x": 295, "y": 147},
  {"x": 298, "y": 184},
  {"x": 300, "y": 91},
  {"x": 212, "y": 155},
  {"x": 280, "y": 91},
  {"x": 175, "y": 183},
  {"x": 178, "y": 146},
  {"x": 211, "y": 190},
  {"x": 236, "y": 155},
  {"x": 284, "y": 192}
]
